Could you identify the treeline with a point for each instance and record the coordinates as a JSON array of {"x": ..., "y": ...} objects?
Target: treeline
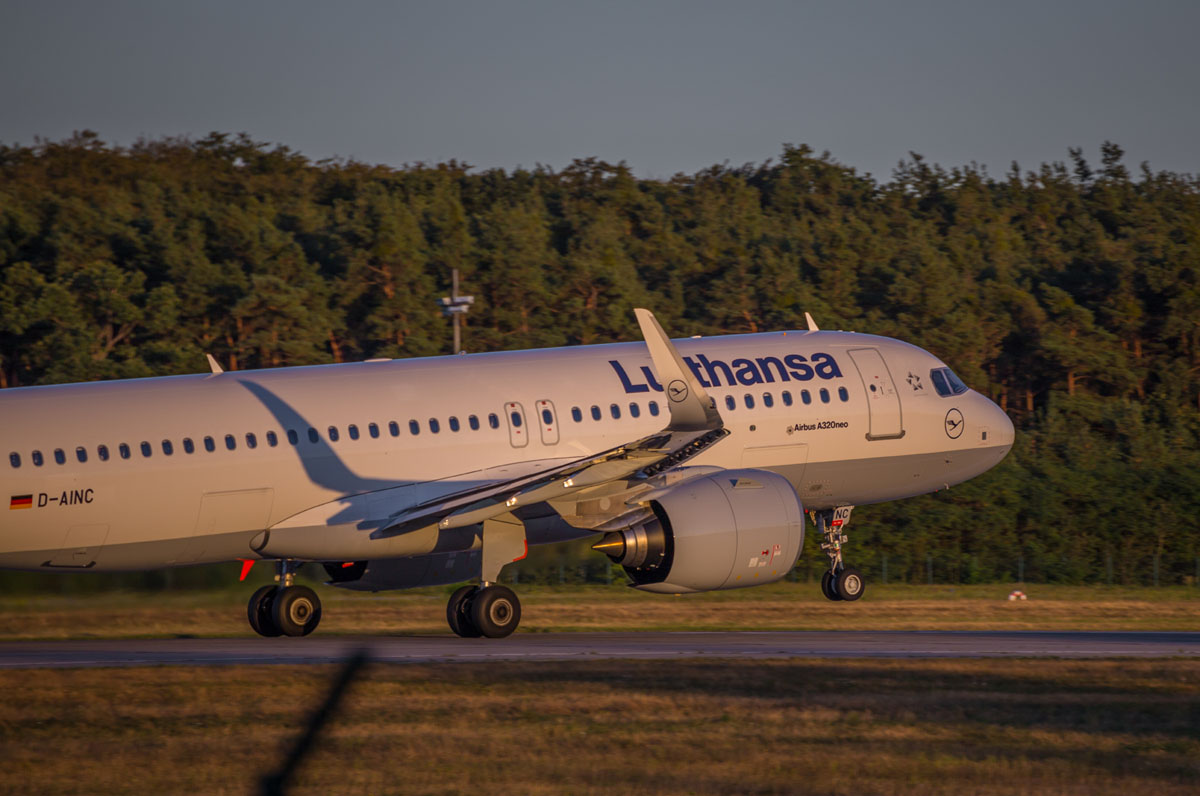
[{"x": 1068, "y": 293}]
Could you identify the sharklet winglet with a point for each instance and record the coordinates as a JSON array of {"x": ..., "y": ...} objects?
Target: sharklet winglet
[{"x": 690, "y": 406}]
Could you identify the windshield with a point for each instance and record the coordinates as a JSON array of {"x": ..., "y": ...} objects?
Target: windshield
[{"x": 946, "y": 382}]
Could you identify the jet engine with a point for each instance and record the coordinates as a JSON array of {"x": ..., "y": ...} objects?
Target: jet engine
[{"x": 723, "y": 530}]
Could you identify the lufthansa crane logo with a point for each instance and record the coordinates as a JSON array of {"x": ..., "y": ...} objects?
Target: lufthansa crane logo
[
  {"x": 954, "y": 424},
  {"x": 677, "y": 391}
]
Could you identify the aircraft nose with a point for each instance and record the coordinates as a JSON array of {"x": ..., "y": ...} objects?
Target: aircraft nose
[{"x": 1001, "y": 424}]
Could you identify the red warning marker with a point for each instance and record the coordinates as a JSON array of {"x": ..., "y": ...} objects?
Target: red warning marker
[{"x": 247, "y": 563}]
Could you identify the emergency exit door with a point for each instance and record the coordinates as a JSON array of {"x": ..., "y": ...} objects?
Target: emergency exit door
[{"x": 883, "y": 399}]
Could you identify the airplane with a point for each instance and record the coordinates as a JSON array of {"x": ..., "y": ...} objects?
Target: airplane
[{"x": 695, "y": 459}]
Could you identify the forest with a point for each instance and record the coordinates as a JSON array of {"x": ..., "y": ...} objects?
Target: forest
[{"x": 1068, "y": 292}]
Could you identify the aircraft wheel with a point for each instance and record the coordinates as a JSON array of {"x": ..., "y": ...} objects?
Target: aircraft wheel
[
  {"x": 849, "y": 584},
  {"x": 828, "y": 589},
  {"x": 258, "y": 611},
  {"x": 458, "y": 613},
  {"x": 495, "y": 611},
  {"x": 297, "y": 611}
]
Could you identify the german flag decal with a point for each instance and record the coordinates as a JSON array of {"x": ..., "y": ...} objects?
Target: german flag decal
[{"x": 20, "y": 502}]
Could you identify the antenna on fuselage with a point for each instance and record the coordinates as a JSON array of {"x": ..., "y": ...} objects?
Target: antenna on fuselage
[
  {"x": 213, "y": 365},
  {"x": 812, "y": 325}
]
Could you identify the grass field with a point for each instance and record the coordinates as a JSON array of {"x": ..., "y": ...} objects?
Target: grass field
[
  {"x": 782, "y": 606},
  {"x": 694, "y": 727}
]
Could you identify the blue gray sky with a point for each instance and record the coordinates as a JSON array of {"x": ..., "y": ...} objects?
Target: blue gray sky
[{"x": 665, "y": 86}]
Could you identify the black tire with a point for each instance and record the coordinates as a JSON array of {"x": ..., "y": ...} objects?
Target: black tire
[
  {"x": 827, "y": 588},
  {"x": 496, "y": 611},
  {"x": 850, "y": 584},
  {"x": 297, "y": 611},
  {"x": 258, "y": 611},
  {"x": 458, "y": 613}
]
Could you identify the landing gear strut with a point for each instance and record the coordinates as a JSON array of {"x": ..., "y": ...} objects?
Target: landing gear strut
[
  {"x": 840, "y": 582},
  {"x": 490, "y": 610},
  {"x": 286, "y": 609}
]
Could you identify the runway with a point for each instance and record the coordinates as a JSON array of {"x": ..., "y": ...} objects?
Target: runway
[{"x": 595, "y": 646}]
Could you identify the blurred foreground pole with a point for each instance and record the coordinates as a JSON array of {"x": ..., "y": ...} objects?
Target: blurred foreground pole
[{"x": 276, "y": 784}]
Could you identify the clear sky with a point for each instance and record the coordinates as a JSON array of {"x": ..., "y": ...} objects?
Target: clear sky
[{"x": 664, "y": 86}]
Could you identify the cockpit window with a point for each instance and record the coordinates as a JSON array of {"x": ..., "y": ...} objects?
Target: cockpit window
[{"x": 946, "y": 383}]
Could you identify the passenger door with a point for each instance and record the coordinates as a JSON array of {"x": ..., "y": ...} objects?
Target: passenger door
[{"x": 883, "y": 399}]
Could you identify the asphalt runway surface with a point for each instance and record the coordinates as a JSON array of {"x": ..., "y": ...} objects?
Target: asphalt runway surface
[{"x": 595, "y": 646}]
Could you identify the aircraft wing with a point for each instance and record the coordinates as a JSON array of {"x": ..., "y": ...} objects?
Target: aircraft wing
[{"x": 695, "y": 424}]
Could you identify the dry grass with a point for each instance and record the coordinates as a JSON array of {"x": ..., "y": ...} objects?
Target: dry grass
[
  {"x": 784, "y": 606},
  {"x": 694, "y": 727}
]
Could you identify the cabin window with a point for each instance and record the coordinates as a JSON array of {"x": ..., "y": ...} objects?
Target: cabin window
[
  {"x": 394, "y": 428},
  {"x": 36, "y": 456},
  {"x": 749, "y": 401},
  {"x": 313, "y": 436},
  {"x": 81, "y": 454},
  {"x": 547, "y": 417},
  {"x": 824, "y": 395},
  {"x": 14, "y": 459},
  {"x": 473, "y": 422},
  {"x": 352, "y": 430},
  {"x": 123, "y": 449},
  {"x": 147, "y": 449},
  {"x": 806, "y": 397},
  {"x": 730, "y": 402},
  {"x": 414, "y": 427},
  {"x": 768, "y": 400},
  {"x": 616, "y": 411},
  {"x": 787, "y": 398},
  {"x": 373, "y": 430},
  {"x": 272, "y": 439},
  {"x": 654, "y": 408},
  {"x": 595, "y": 413},
  {"x": 167, "y": 447},
  {"x": 576, "y": 414},
  {"x": 454, "y": 424},
  {"x": 188, "y": 445},
  {"x": 102, "y": 452},
  {"x": 209, "y": 445},
  {"x": 251, "y": 440},
  {"x": 843, "y": 393},
  {"x": 333, "y": 434},
  {"x": 59, "y": 456},
  {"x": 515, "y": 418},
  {"x": 230, "y": 442},
  {"x": 434, "y": 425},
  {"x": 634, "y": 410},
  {"x": 493, "y": 420},
  {"x": 292, "y": 436}
]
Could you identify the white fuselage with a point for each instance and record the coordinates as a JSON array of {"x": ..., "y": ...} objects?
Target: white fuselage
[{"x": 847, "y": 418}]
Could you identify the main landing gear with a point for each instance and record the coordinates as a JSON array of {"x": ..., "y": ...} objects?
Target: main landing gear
[
  {"x": 286, "y": 609},
  {"x": 486, "y": 610},
  {"x": 490, "y": 610},
  {"x": 840, "y": 582}
]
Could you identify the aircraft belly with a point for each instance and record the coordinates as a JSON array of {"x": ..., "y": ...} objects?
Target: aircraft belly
[{"x": 857, "y": 482}]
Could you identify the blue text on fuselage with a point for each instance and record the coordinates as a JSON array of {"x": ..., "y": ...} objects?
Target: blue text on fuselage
[{"x": 743, "y": 371}]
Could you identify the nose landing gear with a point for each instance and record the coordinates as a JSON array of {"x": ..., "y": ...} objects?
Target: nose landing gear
[
  {"x": 286, "y": 609},
  {"x": 840, "y": 582}
]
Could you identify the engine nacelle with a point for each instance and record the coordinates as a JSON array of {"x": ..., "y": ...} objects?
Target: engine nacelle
[{"x": 724, "y": 530}]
